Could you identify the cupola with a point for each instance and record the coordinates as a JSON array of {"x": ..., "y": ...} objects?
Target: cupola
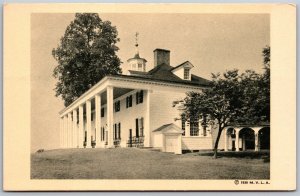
[{"x": 136, "y": 63}]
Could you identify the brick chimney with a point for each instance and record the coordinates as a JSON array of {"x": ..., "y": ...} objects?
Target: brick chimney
[{"x": 161, "y": 56}]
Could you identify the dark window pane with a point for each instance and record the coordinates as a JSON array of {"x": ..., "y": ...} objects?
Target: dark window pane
[
  {"x": 102, "y": 112},
  {"x": 141, "y": 97},
  {"x": 137, "y": 97},
  {"x": 130, "y": 101},
  {"x": 119, "y": 129},
  {"x": 137, "y": 127}
]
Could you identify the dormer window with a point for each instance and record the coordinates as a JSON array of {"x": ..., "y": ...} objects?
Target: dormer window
[
  {"x": 183, "y": 70},
  {"x": 186, "y": 74}
]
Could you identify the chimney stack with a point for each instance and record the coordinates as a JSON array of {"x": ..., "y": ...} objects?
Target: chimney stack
[{"x": 161, "y": 56}]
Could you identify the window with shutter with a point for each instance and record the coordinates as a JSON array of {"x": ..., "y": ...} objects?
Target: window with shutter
[
  {"x": 141, "y": 98},
  {"x": 119, "y": 130},
  {"x": 137, "y": 127},
  {"x": 116, "y": 132},
  {"x": 141, "y": 125},
  {"x": 130, "y": 101},
  {"x": 137, "y": 98}
]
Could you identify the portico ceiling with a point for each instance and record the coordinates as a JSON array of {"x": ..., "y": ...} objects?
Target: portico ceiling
[{"x": 118, "y": 92}]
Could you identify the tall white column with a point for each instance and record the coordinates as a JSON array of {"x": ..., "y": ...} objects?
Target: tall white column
[
  {"x": 147, "y": 132},
  {"x": 237, "y": 146},
  {"x": 256, "y": 142},
  {"x": 61, "y": 127},
  {"x": 69, "y": 130},
  {"x": 98, "y": 119},
  {"x": 256, "y": 131},
  {"x": 226, "y": 140},
  {"x": 88, "y": 124},
  {"x": 75, "y": 144},
  {"x": 81, "y": 131},
  {"x": 65, "y": 131},
  {"x": 110, "y": 96}
]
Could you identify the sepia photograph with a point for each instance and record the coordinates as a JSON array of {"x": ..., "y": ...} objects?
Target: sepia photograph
[
  {"x": 141, "y": 95},
  {"x": 120, "y": 112}
]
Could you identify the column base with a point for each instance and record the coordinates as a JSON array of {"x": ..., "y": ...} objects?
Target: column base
[{"x": 110, "y": 147}]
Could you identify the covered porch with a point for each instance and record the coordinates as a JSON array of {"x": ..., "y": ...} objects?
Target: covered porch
[
  {"x": 102, "y": 117},
  {"x": 243, "y": 138}
]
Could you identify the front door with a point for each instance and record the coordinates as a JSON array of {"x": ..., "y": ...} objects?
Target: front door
[{"x": 171, "y": 143}]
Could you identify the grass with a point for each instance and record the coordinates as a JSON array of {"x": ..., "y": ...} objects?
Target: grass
[{"x": 132, "y": 163}]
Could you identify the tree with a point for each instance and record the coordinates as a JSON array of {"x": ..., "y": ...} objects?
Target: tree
[
  {"x": 218, "y": 104},
  {"x": 265, "y": 82},
  {"x": 86, "y": 53},
  {"x": 231, "y": 99}
]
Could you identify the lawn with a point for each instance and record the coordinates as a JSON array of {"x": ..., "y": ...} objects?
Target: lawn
[{"x": 133, "y": 163}]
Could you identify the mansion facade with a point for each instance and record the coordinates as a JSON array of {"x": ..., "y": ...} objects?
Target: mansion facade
[{"x": 136, "y": 110}]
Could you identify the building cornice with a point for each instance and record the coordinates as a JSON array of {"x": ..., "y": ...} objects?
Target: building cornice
[
  {"x": 155, "y": 82},
  {"x": 84, "y": 94},
  {"x": 129, "y": 79}
]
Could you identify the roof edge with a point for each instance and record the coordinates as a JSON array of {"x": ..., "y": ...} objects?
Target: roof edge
[
  {"x": 130, "y": 77},
  {"x": 84, "y": 94},
  {"x": 176, "y": 67},
  {"x": 160, "y": 49}
]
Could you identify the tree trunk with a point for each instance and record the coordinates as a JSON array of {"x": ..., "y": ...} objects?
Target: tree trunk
[{"x": 217, "y": 143}]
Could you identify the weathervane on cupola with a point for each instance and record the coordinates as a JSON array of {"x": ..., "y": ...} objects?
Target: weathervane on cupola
[
  {"x": 136, "y": 63},
  {"x": 137, "y": 44}
]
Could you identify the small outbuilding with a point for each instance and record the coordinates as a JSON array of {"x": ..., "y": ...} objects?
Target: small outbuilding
[{"x": 168, "y": 138}]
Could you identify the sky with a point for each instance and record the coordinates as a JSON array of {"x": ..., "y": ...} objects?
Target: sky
[{"x": 211, "y": 42}]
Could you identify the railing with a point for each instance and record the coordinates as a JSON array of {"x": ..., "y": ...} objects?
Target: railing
[
  {"x": 117, "y": 142},
  {"x": 136, "y": 142}
]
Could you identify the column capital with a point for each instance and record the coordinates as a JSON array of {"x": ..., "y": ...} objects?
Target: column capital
[
  {"x": 150, "y": 90},
  {"x": 256, "y": 129},
  {"x": 110, "y": 86},
  {"x": 237, "y": 129}
]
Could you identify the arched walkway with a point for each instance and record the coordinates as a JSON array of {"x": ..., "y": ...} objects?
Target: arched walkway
[
  {"x": 247, "y": 138},
  {"x": 264, "y": 138}
]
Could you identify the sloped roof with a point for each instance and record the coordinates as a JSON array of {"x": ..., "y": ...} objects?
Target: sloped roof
[
  {"x": 137, "y": 56},
  {"x": 199, "y": 80},
  {"x": 169, "y": 128},
  {"x": 181, "y": 65},
  {"x": 133, "y": 72},
  {"x": 164, "y": 72},
  {"x": 161, "y": 127}
]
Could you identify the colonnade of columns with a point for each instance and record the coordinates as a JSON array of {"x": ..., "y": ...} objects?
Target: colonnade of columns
[
  {"x": 237, "y": 138},
  {"x": 72, "y": 134}
]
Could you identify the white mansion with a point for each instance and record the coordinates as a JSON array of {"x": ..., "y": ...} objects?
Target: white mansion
[{"x": 136, "y": 110}]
